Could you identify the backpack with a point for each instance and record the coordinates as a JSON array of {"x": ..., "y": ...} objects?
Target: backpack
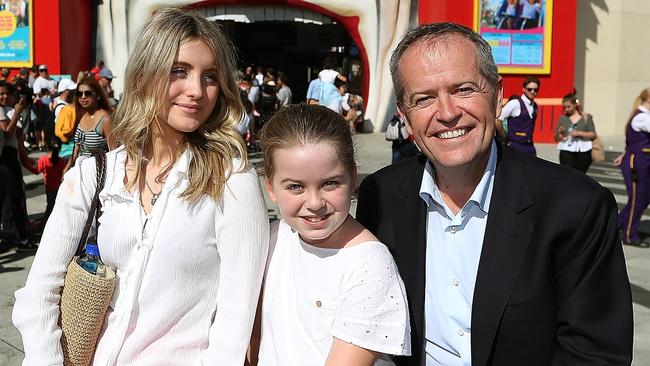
[
  {"x": 396, "y": 130},
  {"x": 65, "y": 123}
]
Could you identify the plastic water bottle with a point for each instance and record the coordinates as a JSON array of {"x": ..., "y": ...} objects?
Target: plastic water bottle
[{"x": 91, "y": 261}]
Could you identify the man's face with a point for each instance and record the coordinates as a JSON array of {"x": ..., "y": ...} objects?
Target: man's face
[
  {"x": 43, "y": 73},
  {"x": 530, "y": 90},
  {"x": 448, "y": 105}
]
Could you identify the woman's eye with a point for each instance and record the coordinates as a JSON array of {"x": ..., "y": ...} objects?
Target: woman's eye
[
  {"x": 210, "y": 78},
  {"x": 179, "y": 72}
]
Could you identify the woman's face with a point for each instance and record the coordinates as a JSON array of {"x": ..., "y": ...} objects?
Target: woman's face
[
  {"x": 569, "y": 108},
  {"x": 87, "y": 96},
  {"x": 193, "y": 87}
]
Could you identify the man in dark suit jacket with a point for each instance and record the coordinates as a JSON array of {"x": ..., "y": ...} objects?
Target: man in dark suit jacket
[{"x": 535, "y": 245}]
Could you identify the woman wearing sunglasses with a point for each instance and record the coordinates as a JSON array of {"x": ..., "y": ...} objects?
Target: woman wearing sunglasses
[{"x": 93, "y": 120}]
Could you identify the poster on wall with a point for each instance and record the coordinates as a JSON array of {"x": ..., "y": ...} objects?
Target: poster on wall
[
  {"x": 519, "y": 32},
  {"x": 16, "y": 48}
]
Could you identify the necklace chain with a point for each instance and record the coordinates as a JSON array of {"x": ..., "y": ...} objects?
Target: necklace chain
[{"x": 154, "y": 196}]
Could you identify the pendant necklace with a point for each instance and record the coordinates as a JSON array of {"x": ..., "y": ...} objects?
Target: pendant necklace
[{"x": 154, "y": 196}]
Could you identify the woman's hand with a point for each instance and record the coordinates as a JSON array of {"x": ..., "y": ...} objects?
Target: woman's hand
[
  {"x": 18, "y": 108},
  {"x": 618, "y": 160}
]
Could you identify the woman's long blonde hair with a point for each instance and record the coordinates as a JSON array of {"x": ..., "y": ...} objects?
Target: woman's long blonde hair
[
  {"x": 643, "y": 96},
  {"x": 146, "y": 80}
]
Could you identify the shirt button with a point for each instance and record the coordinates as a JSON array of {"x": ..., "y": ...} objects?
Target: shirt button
[
  {"x": 460, "y": 332},
  {"x": 455, "y": 282},
  {"x": 319, "y": 303},
  {"x": 452, "y": 229}
]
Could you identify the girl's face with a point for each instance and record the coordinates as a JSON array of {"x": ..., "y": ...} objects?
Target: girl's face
[
  {"x": 312, "y": 188},
  {"x": 193, "y": 87},
  {"x": 4, "y": 96},
  {"x": 87, "y": 96}
]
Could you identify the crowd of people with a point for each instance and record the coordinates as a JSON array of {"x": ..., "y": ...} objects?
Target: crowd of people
[
  {"x": 264, "y": 91},
  {"x": 470, "y": 253},
  {"x": 63, "y": 118}
]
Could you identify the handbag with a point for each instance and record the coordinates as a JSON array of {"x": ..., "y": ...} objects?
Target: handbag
[
  {"x": 396, "y": 130},
  {"x": 85, "y": 296},
  {"x": 597, "y": 150}
]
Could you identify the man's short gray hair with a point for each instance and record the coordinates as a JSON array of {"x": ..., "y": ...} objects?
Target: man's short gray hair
[{"x": 434, "y": 31}]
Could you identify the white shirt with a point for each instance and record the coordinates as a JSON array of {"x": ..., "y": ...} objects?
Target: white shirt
[
  {"x": 43, "y": 83},
  {"x": 312, "y": 295},
  {"x": 284, "y": 95},
  {"x": 328, "y": 75},
  {"x": 641, "y": 122},
  {"x": 513, "y": 108},
  {"x": 187, "y": 287},
  {"x": 454, "y": 244}
]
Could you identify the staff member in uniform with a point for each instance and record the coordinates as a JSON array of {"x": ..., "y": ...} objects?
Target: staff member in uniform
[{"x": 521, "y": 114}]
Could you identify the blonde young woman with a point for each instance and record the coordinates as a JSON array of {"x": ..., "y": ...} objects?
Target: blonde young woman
[{"x": 184, "y": 220}]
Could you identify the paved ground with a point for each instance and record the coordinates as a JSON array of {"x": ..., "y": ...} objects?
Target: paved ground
[{"x": 373, "y": 152}]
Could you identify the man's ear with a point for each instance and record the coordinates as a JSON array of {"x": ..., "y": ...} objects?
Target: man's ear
[
  {"x": 404, "y": 118},
  {"x": 269, "y": 189},
  {"x": 498, "y": 95}
]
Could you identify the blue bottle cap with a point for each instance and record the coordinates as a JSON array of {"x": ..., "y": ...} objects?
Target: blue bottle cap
[{"x": 92, "y": 249}]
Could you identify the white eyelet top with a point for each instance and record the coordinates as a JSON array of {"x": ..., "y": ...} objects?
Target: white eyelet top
[{"x": 311, "y": 295}]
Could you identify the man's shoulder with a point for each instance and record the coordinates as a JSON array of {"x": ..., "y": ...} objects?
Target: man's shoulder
[
  {"x": 545, "y": 177},
  {"x": 400, "y": 170}
]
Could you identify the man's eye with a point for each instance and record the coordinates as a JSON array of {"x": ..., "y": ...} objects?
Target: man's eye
[
  {"x": 424, "y": 102},
  {"x": 464, "y": 91}
]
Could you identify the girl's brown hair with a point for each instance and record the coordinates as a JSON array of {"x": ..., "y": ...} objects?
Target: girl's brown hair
[{"x": 303, "y": 124}]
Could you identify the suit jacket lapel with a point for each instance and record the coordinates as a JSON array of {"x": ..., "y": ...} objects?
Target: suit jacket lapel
[
  {"x": 505, "y": 242},
  {"x": 409, "y": 222}
]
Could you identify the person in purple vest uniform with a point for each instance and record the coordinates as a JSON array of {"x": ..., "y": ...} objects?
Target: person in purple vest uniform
[
  {"x": 635, "y": 166},
  {"x": 521, "y": 114}
]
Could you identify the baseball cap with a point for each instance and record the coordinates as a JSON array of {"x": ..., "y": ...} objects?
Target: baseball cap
[
  {"x": 42, "y": 67},
  {"x": 66, "y": 84},
  {"x": 106, "y": 73}
]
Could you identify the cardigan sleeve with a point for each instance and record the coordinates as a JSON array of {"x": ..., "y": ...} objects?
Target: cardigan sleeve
[
  {"x": 36, "y": 310},
  {"x": 242, "y": 242}
]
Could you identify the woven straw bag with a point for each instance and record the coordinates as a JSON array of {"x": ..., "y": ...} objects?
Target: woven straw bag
[{"x": 85, "y": 297}]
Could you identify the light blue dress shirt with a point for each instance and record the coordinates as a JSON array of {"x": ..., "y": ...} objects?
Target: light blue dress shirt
[{"x": 453, "y": 251}]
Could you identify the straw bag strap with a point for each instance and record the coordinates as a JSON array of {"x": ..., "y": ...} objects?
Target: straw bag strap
[{"x": 95, "y": 206}]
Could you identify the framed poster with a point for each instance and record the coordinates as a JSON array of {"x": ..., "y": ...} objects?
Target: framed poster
[
  {"x": 16, "y": 30},
  {"x": 519, "y": 32}
]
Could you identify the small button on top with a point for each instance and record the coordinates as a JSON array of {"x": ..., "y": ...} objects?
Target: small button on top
[
  {"x": 452, "y": 229},
  {"x": 318, "y": 303},
  {"x": 455, "y": 282},
  {"x": 460, "y": 332}
]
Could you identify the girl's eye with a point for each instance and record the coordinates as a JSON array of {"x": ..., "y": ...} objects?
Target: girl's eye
[
  {"x": 294, "y": 188},
  {"x": 331, "y": 184},
  {"x": 179, "y": 72}
]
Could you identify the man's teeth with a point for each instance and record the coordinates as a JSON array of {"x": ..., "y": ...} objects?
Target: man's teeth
[{"x": 452, "y": 134}]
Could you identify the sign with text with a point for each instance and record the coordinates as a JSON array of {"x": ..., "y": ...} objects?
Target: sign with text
[
  {"x": 16, "y": 48},
  {"x": 519, "y": 32}
]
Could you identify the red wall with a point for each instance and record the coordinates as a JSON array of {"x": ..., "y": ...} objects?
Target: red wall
[
  {"x": 62, "y": 32},
  {"x": 553, "y": 86}
]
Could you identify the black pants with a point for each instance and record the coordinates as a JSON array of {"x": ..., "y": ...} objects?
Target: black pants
[
  {"x": 11, "y": 179},
  {"x": 577, "y": 160}
]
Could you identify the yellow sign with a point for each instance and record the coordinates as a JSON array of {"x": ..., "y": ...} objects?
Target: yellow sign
[{"x": 7, "y": 24}]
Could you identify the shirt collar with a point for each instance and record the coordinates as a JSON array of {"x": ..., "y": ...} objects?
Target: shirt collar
[
  {"x": 526, "y": 100},
  {"x": 430, "y": 193},
  {"x": 644, "y": 109}
]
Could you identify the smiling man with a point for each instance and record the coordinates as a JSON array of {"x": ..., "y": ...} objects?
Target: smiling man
[{"x": 507, "y": 259}]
